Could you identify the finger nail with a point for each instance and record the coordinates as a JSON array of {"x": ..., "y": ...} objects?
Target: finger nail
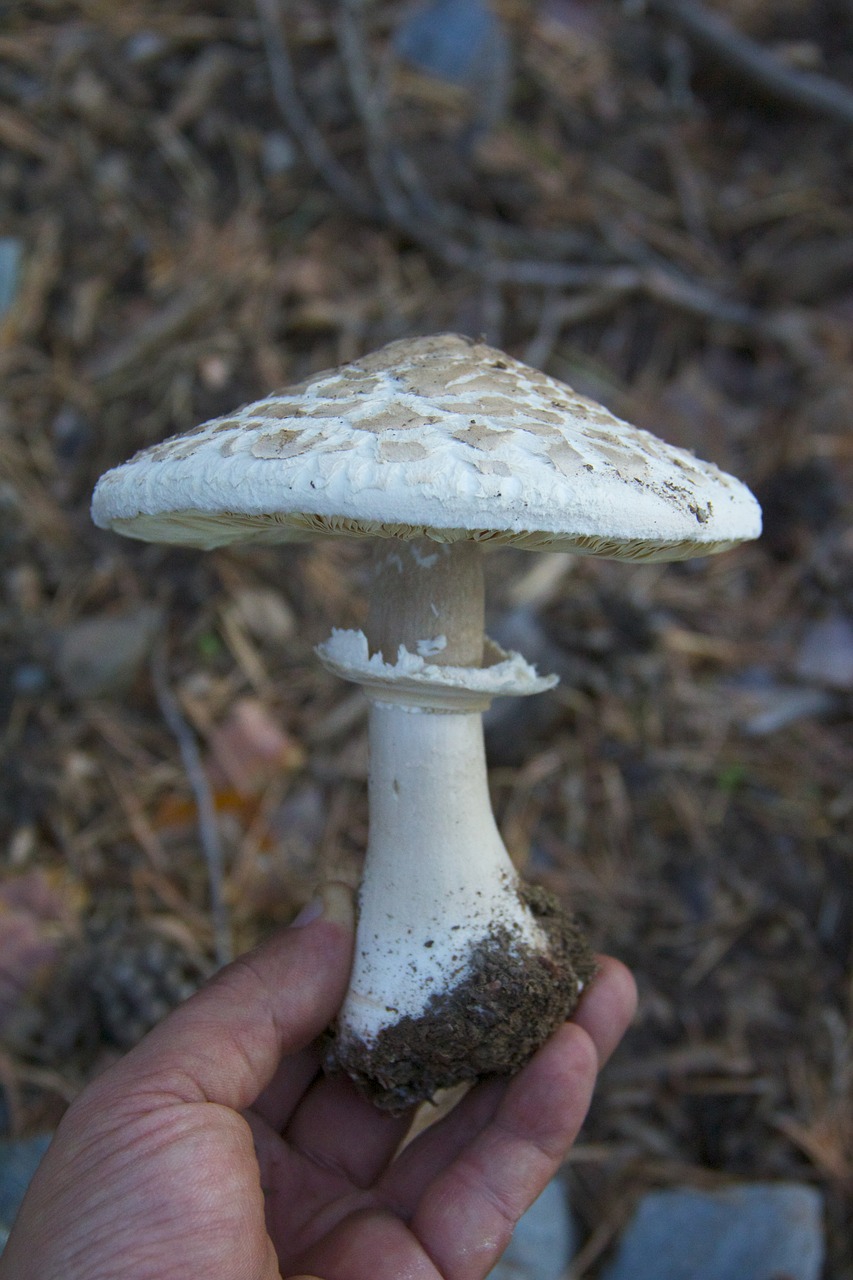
[
  {"x": 309, "y": 913},
  {"x": 334, "y": 902}
]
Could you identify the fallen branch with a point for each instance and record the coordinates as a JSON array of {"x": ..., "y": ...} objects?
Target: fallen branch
[
  {"x": 297, "y": 119},
  {"x": 208, "y": 825},
  {"x": 712, "y": 33}
]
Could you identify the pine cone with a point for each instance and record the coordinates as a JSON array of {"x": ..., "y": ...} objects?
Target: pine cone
[
  {"x": 136, "y": 975},
  {"x": 109, "y": 988}
]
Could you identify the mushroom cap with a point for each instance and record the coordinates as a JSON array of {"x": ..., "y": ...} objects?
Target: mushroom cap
[{"x": 439, "y": 437}]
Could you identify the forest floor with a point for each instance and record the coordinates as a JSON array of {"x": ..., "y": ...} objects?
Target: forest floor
[{"x": 606, "y": 193}]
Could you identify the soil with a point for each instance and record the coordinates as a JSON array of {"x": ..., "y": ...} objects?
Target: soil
[{"x": 510, "y": 1001}]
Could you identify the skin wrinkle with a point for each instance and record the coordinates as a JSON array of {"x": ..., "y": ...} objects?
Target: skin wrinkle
[
  {"x": 328, "y": 1217},
  {"x": 276, "y": 1102},
  {"x": 472, "y": 1180},
  {"x": 326, "y": 1164},
  {"x": 415, "y": 1168},
  {"x": 183, "y": 1087},
  {"x": 246, "y": 964},
  {"x": 487, "y": 1155},
  {"x": 143, "y": 1145},
  {"x": 441, "y": 1274},
  {"x": 374, "y": 1137},
  {"x": 371, "y": 1234},
  {"x": 78, "y": 1256},
  {"x": 152, "y": 1132}
]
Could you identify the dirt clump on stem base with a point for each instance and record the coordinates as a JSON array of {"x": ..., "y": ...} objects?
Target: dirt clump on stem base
[{"x": 510, "y": 1000}]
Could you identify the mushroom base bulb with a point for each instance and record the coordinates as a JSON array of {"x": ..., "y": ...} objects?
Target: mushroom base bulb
[{"x": 510, "y": 998}]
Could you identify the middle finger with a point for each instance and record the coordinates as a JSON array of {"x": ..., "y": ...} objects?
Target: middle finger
[{"x": 339, "y": 1129}]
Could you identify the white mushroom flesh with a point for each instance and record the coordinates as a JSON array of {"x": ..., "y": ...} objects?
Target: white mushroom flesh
[{"x": 438, "y": 879}]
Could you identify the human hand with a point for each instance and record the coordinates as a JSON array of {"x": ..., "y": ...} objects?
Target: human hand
[{"x": 217, "y": 1150}]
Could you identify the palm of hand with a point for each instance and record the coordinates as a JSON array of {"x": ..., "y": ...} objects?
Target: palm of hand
[
  {"x": 216, "y": 1150},
  {"x": 342, "y": 1205}
]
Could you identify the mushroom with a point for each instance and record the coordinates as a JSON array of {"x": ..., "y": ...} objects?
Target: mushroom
[{"x": 435, "y": 448}]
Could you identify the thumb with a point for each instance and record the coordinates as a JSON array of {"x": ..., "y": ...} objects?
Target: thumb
[{"x": 226, "y": 1042}]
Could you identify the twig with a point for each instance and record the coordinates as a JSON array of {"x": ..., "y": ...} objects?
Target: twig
[
  {"x": 558, "y": 312},
  {"x": 208, "y": 825},
  {"x": 711, "y": 31},
  {"x": 371, "y": 111},
  {"x": 457, "y": 238},
  {"x": 147, "y": 339},
  {"x": 394, "y": 180},
  {"x": 298, "y": 120}
]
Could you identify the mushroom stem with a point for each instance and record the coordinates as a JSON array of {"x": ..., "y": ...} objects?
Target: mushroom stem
[
  {"x": 429, "y": 597},
  {"x": 460, "y": 969},
  {"x": 437, "y": 879}
]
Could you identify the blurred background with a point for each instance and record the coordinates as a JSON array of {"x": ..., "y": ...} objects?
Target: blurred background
[{"x": 651, "y": 201}]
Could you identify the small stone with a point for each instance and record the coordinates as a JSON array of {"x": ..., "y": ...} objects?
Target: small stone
[
  {"x": 779, "y": 706},
  {"x": 71, "y": 433},
  {"x": 826, "y": 652},
  {"x": 143, "y": 46},
  {"x": 29, "y": 680},
  {"x": 99, "y": 657},
  {"x": 544, "y": 1242},
  {"x": 18, "y": 1162},
  {"x": 278, "y": 153},
  {"x": 265, "y": 614},
  {"x": 463, "y": 43},
  {"x": 447, "y": 38},
  {"x": 11, "y": 257},
  {"x": 758, "y": 1231}
]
